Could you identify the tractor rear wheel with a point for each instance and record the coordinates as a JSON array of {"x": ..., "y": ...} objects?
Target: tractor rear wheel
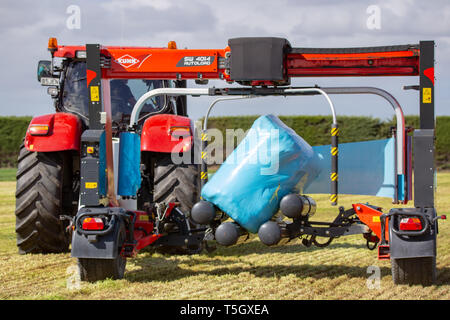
[
  {"x": 41, "y": 181},
  {"x": 412, "y": 271},
  {"x": 177, "y": 183}
]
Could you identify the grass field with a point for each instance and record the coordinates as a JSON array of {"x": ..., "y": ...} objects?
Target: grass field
[
  {"x": 248, "y": 271},
  {"x": 7, "y": 174}
]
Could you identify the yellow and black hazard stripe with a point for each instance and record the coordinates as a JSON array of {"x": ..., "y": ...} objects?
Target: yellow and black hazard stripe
[
  {"x": 335, "y": 131},
  {"x": 334, "y": 176},
  {"x": 334, "y": 163},
  {"x": 333, "y": 198},
  {"x": 203, "y": 156},
  {"x": 203, "y": 175}
]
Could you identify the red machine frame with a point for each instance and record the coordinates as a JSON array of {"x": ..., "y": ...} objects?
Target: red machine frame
[{"x": 164, "y": 63}]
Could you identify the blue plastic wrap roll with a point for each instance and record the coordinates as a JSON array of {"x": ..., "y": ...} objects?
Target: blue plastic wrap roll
[
  {"x": 365, "y": 168},
  {"x": 129, "y": 164},
  {"x": 268, "y": 164}
]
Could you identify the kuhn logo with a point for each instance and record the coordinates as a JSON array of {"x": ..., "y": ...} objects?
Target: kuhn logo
[{"x": 127, "y": 61}]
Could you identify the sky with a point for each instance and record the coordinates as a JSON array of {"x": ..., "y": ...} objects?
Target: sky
[{"x": 26, "y": 25}]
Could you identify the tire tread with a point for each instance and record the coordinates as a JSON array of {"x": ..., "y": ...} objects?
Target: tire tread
[{"x": 38, "y": 203}]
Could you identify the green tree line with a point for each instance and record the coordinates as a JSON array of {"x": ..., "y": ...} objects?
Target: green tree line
[
  {"x": 12, "y": 131},
  {"x": 314, "y": 129}
]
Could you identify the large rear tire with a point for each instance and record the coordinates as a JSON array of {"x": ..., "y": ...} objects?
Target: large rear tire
[
  {"x": 40, "y": 202},
  {"x": 414, "y": 271},
  {"x": 177, "y": 183}
]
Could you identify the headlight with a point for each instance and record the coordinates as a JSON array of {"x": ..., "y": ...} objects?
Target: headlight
[
  {"x": 53, "y": 91},
  {"x": 38, "y": 129}
]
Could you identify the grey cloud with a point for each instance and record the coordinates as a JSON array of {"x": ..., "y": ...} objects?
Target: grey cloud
[{"x": 25, "y": 26}]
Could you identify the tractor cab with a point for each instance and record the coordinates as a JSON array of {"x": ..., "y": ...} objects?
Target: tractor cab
[
  {"x": 56, "y": 141},
  {"x": 68, "y": 87}
]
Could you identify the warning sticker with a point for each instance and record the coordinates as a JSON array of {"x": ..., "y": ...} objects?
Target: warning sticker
[
  {"x": 376, "y": 219},
  {"x": 90, "y": 185},
  {"x": 95, "y": 96},
  {"x": 426, "y": 95}
]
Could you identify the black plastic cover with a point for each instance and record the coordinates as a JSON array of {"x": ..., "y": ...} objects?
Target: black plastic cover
[
  {"x": 258, "y": 58},
  {"x": 403, "y": 246},
  {"x": 106, "y": 246}
]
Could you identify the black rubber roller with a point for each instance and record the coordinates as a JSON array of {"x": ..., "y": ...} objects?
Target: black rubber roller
[
  {"x": 291, "y": 205},
  {"x": 203, "y": 212},
  {"x": 229, "y": 233},
  {"x": 295, "y": 206},
  {"x": 269, "y": 233}
]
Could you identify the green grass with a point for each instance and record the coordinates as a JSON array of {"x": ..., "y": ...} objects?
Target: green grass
[
  {"x": 248, "y": 271},
  {"x": 8, "y": 174}
]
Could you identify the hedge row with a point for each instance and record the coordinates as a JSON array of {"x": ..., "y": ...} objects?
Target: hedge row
[
  {"x": 12, "y": 131},
  {"x": 314, "y": 129}
]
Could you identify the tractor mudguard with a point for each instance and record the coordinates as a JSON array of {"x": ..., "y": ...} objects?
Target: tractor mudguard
[
  {"x": 102, "y": 244},
  {"x": 167, "y": 133},
  {"x": 412, "y": 244},
  {"x": 53, "y": 132}
]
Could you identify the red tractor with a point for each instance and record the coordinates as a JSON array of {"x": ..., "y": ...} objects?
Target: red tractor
[{"x": 48, "y": 176}]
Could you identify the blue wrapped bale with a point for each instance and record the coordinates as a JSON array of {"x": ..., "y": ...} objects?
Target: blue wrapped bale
[{"x": 270, "y": 162}]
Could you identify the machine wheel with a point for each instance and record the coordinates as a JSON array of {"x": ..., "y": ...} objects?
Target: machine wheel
[
  {"x": 414, "y": 271},
  {"x": 177, "y": 183},
  {"x": 39, "y": 202},
  {"x": 100, "y": 269}
]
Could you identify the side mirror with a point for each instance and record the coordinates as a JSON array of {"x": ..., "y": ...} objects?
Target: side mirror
[{"x": 44, "y": 69}]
